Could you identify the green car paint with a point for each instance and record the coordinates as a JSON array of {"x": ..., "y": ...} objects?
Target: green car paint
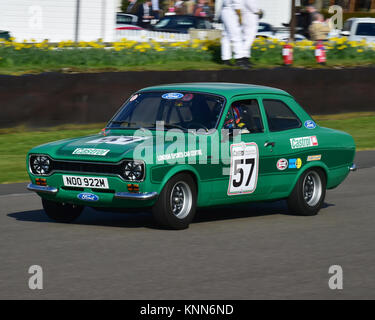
[{"x": 281, "y": 156}]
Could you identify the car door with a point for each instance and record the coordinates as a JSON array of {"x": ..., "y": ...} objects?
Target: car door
[
  {"x": 287, "y": 139},
  {"x": 244, "y": 153}
]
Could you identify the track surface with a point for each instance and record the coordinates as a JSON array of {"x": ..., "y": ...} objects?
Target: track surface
[{"x": 249, "y": 252}]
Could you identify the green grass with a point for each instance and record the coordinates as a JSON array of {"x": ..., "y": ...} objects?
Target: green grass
[
  {"x": 360, "y": 125},
  {"x": 170, "y": 66},
  {"x": 15, "y": 142}
]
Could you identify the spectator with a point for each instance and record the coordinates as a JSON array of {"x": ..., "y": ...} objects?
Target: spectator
[
  {"x": 155, "y": 9},
  {"x": 132, "y": 7},
  {"x": 250, "y": 21},
  {"x": 202, "y": 9},
  {"x": 189, "y": 4},
  {"x": 303, "y": 20},
  {"x": 319, "y": 30},
  {"x": 231, "y": 39},
  {"x": 145, "y": 14},
  {"x": 179, "y": 7}
]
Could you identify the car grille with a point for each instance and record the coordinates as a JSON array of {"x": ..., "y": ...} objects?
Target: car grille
[{"x": 86, "y": 167}]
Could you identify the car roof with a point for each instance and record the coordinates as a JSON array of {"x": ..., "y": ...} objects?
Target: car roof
[
  {"x": 220, "y": 88},
  {"x": 365, "y": 19}
]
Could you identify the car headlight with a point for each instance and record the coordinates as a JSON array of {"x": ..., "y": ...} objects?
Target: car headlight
[
  {"x": 40, "y": 165},
  {"x": 133, "y": 171}
]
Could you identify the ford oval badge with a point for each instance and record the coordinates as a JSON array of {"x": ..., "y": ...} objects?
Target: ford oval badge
[
  {"x": 88, "y": 197},
  {"x": 172, "y": 95},
  {"x": 309, "y": 124}
]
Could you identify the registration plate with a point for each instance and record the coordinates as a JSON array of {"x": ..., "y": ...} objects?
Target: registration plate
[{"x": 85, "y": 182}]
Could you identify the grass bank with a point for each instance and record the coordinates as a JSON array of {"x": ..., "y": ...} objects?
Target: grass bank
[{"x": 15, "y": 142}]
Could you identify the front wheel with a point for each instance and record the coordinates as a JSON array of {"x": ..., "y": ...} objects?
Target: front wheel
[
  {"x": 176, "y": 205},
  {"x": 308, "y": 194},
  {"x": 61, "y": 212}
]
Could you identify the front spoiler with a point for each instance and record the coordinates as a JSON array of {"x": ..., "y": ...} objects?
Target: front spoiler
[{"x": 117, "y": 195}]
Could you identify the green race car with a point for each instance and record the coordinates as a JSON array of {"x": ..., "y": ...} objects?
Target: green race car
[{"x": 173, "y": 148}]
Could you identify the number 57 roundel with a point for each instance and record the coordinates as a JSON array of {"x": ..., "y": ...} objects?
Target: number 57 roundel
[{"x": 244, "y": 163}]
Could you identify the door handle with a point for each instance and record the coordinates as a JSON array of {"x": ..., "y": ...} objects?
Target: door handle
[{"x": 267, "y": 144}]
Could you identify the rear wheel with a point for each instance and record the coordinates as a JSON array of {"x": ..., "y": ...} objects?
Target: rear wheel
[
  {"x": 61, "y": 212},
  {"x": 308, "y": 194},
  {"x": 176, "y": 205}
]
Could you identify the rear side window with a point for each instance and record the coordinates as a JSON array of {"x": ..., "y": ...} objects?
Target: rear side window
[
  {"x": 279, "y": 116},
  {"x": 366, "y": 29}
]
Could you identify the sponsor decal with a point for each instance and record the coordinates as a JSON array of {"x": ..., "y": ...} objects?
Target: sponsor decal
[
  {"x": 120, "y": 140},
  {"x": 295, "y": 163},
  {"x": 310, "y": 124},
  {"x": 314, "y": 157},
  {"x": 188, "y": 97},
  {"x": 88, "y": 197},
  {"x": 172, "y": 96},
  {"x": 282, "y": 164},
  {"x": 179, "y": 155},
  {"x": 303, "y": 142},
  {"x": 91, "y": 151}
]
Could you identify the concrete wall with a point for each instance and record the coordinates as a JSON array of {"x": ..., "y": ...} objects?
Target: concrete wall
[
  {"x": 56, "y": 19},
  {"x": 52, "y": 98}
]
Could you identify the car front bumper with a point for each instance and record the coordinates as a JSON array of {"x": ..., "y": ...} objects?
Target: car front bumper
[{"x": 119, "y": 199}]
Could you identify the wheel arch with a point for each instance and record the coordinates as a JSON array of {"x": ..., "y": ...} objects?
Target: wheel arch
[
  {"x": 182, "y": 169},
  {"x": 310, "y": 165}
]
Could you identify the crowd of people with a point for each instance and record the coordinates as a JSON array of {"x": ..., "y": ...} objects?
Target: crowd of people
[
  {"x": 240, "y": 22},
  {"x": 311, "y": 23}
]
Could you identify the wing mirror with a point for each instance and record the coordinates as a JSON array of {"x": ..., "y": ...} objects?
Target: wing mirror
[{"x": 345, "y": 33}]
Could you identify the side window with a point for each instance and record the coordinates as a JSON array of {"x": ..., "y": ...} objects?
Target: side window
[
  {"x": 279, "y": 116},
  {"x": 245, "y": 115},
  {"x": 347, "y": 25}
]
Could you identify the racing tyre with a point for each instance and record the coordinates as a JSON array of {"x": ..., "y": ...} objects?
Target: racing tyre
[
  {"x": 308, "y": 195},
  {"x": 176, "y": 205},
  {"x": 61, "y": 212}
]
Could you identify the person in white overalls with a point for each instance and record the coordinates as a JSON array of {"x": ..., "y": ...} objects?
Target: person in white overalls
[
  {"x": 231, "y": 39},
  {"x": 250, "y": 20},
  {"x": 240, "y": 20}
]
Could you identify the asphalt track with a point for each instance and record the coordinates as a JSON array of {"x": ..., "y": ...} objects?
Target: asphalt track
[{"x": 257, "y": 251}]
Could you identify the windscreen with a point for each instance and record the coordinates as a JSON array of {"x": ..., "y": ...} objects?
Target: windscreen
[{"x": 182, "y": 110}]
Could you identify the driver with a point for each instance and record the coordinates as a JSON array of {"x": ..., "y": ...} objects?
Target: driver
[{"x": 235, "y": 118}]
